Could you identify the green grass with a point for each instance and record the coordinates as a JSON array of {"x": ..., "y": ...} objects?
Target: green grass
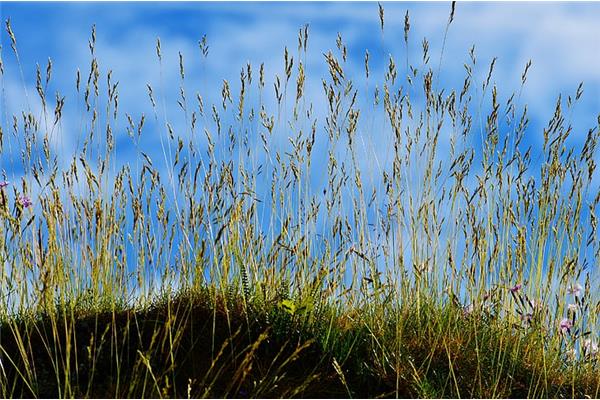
[
  {"x": 203, "y": 346},
  {"x": 400, "y": 279}
]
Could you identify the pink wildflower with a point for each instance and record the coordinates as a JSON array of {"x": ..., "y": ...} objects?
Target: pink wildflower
[
  {"x": 468, "y": 309},
  {"x": 590, "y": 347},
  {"x": 25, "y": 201},
  {"x": 575, "y": 289},
  {"x": 516, "y": 288},
  {"x": 535, "y": 304},
  {"x": 565, "y": 325},
  {"x": 4, "y": 184},
  {"x": 527, "y": 318}
]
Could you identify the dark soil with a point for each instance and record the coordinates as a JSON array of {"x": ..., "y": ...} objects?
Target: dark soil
[{"x": 109, "y": 349}]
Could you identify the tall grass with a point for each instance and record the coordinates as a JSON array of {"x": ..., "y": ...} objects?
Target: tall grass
[{"x": 390, "y": 236}]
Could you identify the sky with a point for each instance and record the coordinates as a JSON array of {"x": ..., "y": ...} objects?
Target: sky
[{"x": 561, "y": 39}]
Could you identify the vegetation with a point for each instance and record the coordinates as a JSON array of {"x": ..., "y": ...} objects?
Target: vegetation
[{"x": 440, "y": 257}]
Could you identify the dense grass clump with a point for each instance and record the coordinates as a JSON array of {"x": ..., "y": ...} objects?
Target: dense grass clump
[{"x": 390, "y": 238}]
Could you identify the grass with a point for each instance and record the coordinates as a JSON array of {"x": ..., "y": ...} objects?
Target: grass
[{"x": 441, "y": 257}]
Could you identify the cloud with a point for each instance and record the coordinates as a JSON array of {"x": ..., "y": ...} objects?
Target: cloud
[{"x": 561, "y": 41}]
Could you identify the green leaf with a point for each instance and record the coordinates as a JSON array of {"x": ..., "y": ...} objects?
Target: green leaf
[{"x": 288, "y": 306}]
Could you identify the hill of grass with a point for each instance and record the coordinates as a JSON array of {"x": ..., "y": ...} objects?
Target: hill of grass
[
  {"x": 439, "y": 254},
  {"x": 203, "y": 345}
]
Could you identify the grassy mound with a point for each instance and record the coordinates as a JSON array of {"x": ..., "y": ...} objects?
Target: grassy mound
[
  {"x": 198, "y": 345},
  {"x": 387, "y": 237}
]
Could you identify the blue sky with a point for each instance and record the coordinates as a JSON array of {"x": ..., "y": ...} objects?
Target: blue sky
[{"x": 561, "y": 39}]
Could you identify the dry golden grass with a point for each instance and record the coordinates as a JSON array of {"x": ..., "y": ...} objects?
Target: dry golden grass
[{"x": 419, "y": 269}]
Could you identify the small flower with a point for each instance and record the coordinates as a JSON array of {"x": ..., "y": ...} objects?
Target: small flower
[
  {"x": 572, "y": 307},
  {"x": 4, "y": 184},
  {"x": 468, "y": 309},
  {"x": 565, "y": 325},
  {"x": 590, "y": 347},
  {"x": 527, "y": 318},
  {"x": 25, "y": 201},
  {"x": 516, "y": 288},
  {"x": 575, "y": 289},
  {"x": 536, "y": 305}
]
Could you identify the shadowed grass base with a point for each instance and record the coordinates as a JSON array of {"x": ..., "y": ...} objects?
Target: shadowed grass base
[
  {"x": 204, "y": 346},
  {"x": 186, "y": 347}
]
